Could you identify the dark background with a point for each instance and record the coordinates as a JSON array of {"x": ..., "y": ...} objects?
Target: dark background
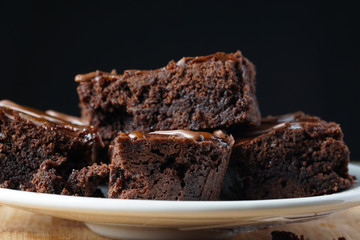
[{"x": 306, "y": 52}]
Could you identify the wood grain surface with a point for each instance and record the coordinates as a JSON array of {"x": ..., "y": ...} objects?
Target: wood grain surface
[{"x": 18, "y": 224}]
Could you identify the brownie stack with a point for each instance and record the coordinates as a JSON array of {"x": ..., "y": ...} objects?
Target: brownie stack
[{"x": 191, "y": 130}]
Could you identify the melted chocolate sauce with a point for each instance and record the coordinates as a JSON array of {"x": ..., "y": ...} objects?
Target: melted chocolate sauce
[
  {"x": 113, "y": 75},
  {"x": 197, "y": 136},
  {"x": 41, "y": 118},
  {"x": 219, "y": 56},
  {"x": 67, "y": 118},
  {"x": 135, "y": 135},
  {"x": 85, "y": 77},
  {"x": 291, "y": 121}
]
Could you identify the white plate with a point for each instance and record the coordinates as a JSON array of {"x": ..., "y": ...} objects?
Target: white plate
[{"x": 149, "y": 219}]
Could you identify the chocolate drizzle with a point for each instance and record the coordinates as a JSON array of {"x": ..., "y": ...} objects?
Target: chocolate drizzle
[
  {"x": 67, "y": 118},
  {"x": 43, "y": 119},
  {"x": 85, "y": 77},
  {"x": 291, "y": 121},
  {"x": 219, "y": 56},
  {"x": 196, "y": 136},
  {"x": 135, "y": 135}
]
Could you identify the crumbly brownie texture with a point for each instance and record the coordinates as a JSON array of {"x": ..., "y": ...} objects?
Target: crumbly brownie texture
[
  {"x": 169, "y": 165},
  {"x": 39, "y": 151},
  {"x": 85, "y": 182},
  {"x": 294, "y": 155},
  {"x": 47, "y": 178},
  {"x": 195, "y": 93},
  {"x": 282, "y": 235}
]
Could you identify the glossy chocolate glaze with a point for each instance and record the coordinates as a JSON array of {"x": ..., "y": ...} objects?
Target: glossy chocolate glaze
[
  {"x": 85, "y": 77},
  {"x": 113, "y": 75},
  {"x": 219, "y": 56},
  {"x": 291, "y": 121},
  {"x": 67, "y": 118},
  {"x": 196, "y": 136},
  {"x": 43, "y": 119},
  {"x": 135, "y": 135}
]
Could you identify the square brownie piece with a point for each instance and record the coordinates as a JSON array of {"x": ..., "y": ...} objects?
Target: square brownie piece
[
  {"x": 294, "y": 155},
  {"x": 194, "y": 93},
  {"x": 39, "y": 151},
  {"x": 169, "y": 165}
]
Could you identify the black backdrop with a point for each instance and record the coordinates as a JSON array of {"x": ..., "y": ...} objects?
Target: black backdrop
[{"x": 306, "y": 52}]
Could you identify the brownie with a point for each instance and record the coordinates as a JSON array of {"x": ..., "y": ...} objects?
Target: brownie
[
  {"x": 38, "y": 151},
  {"x": 50, "y": 177},
  {"x": 293, "y": 155},
  {"x": 282, "y": 235},
  {"x": 195, "y": 93},
  {"x": 85, "y": 182},
  {"x": 169, "y": 165}
]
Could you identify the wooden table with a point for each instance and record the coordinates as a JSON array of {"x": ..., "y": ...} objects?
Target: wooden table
[{"x": 18, "y": 224}]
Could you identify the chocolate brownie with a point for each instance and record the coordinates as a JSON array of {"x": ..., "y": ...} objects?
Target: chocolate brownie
[
  {"x": 282, "y": 235},
  {"x": 294, "y": 155},
  {"x": 169, "y": 165},
  {"x": 85, "y": 182},
  {"x": 38, "y": 151},
  {"x": 195, "y": 93}
]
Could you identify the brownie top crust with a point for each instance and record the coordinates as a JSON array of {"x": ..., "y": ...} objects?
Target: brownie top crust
[
  {"x": 217, "y": 135},
  {"x": 219, "y": 56},
  {"x": 292, "y": 121},
  {"x": 47, "y": 121}
]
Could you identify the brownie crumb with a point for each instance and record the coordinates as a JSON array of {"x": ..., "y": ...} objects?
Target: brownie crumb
[
  {"x": 85, "y": 182},
  {"x": 282, "y": 235}
]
